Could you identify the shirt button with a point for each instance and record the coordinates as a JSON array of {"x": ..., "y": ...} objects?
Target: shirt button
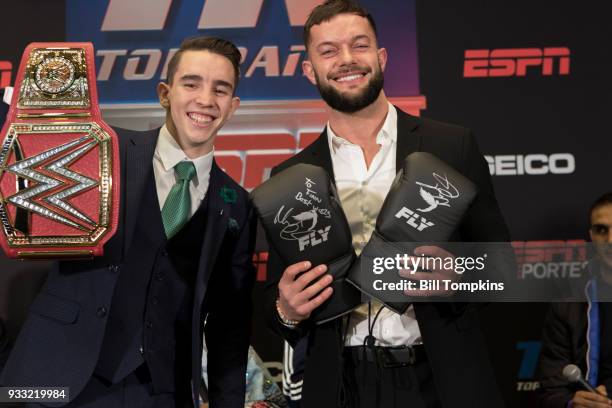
[
  {"x": 164, "y": 252},
  {"x": 114, "y": 268},
  {"x": 154, "y": 300},
  {"x": 159, "y": 276},
  {"x": 101, "y": 312},
  {"x": 149, "y": 325}
]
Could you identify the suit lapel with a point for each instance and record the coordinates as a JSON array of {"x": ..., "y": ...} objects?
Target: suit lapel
[
  {"x": 320, "y": 154},
  {"x": 407, "y": 141},
  {"x": 217, "y": 216},
  {"x": 139, "y": 165}
]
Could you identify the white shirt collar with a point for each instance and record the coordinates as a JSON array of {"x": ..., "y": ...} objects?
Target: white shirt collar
[
  {"x": 169, "y": 153},
  {"x": 387, "y": 133}
]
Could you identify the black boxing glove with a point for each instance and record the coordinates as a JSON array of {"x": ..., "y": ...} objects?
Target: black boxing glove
[
  {"x": 425, "y": 204},
  {"x": 303, "y": 220}
]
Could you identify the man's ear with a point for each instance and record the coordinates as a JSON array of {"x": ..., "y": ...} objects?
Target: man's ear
[
  {"x": 309, "y": 71},
  {"x": 162, "y": 93},
  {"x": 382, "y": 58}
]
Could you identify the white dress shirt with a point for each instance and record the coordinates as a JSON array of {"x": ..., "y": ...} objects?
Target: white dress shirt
[
  {"x": 362, "y": 191},
  {"x": 167, "y": 154}
]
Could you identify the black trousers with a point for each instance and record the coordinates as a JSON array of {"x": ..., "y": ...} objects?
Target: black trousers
[
  {"x": 369, "y": 384},
  {"x": 135, "y": 391}
]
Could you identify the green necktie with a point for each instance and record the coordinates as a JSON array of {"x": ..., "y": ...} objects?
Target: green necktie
[{"x": 177, "y": 208}]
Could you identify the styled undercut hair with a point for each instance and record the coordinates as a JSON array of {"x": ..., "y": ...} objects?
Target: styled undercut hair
[{"x": 330, "y": 9}]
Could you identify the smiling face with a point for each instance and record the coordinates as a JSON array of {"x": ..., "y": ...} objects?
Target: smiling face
[
  {"x": 198, "y": 100},
  {"x": 601, "y": 232},
  {"x": 345, "y": 62}
]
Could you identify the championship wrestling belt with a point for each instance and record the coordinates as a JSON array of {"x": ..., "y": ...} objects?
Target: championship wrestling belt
[{"x": 59, "y": 161}]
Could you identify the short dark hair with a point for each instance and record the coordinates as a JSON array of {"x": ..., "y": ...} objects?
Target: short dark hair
[
  {"x": 600, "y": 202},
  {"x": 215, "y": 45},
  {"x": 330, "y": 9}
]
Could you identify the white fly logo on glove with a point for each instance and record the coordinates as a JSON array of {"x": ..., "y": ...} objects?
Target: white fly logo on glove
[{"x": 413, "y": 219}]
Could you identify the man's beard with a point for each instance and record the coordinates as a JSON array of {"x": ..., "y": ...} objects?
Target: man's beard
[{"x": 351, "y": 104}]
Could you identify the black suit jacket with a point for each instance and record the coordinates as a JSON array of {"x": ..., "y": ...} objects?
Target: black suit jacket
[
  {"x": 450, "y": 332},
  {"x": 564, "y": 341},
  {"x": 60, "y": 341}
]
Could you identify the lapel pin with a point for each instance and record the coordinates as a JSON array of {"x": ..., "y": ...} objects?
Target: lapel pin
[
  {"x": 229, "y": 195},
  {"x": 233, "y": 226}
]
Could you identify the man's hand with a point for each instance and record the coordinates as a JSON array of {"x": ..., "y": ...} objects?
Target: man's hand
[
  {"x": 437, "y": 274},
  {"x": 297, "y": 297},
  {"x": 588, "y": 399}
]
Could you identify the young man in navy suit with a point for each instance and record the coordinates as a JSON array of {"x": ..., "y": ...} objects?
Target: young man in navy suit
[{"x": 125, "y": 330}]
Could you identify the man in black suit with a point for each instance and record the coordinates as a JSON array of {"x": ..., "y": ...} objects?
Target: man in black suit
[
  {"x": 441, "y": 352},
  {"x": 125, "y": 330}
]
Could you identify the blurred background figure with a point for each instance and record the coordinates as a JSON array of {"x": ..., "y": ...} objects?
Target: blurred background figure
[
  {"x": 261, "y": 390},
  {"x": 581, "y": 333}
]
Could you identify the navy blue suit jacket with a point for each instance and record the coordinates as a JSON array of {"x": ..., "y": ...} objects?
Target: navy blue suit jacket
[{"x": 60, "y": 342}]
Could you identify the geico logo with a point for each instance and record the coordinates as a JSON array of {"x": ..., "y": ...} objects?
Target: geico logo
[
  {"x": 249, "y": 158},
  {"x": 266, "y": 59},
  {"x": 152, "y": 15},
  {"x": 531, "y": 164},
  {"x": 515, "y": 61},
  {"x": 5, "y": 73}
]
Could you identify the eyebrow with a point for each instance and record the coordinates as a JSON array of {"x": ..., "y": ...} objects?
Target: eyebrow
[
  {"x": 191, "y": 77},
  {"x": 355, "y": 38},
  {"x": 216, "y": 82},
  {"x": 220, "y": 82}
]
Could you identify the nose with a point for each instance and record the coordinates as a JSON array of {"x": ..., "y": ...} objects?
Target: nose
[
  {"x": 346, "y": 56},
  {"x": 205, "y": 97}
]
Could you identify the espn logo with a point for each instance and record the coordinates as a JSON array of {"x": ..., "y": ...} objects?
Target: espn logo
[
  {"x": 550, "y": 259},
  {"x": 152, "y": 15},
  {"x": 516, "y": 61},
  {"x": 249, "y": 158},
  {"x": 5, "y": 74}
]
